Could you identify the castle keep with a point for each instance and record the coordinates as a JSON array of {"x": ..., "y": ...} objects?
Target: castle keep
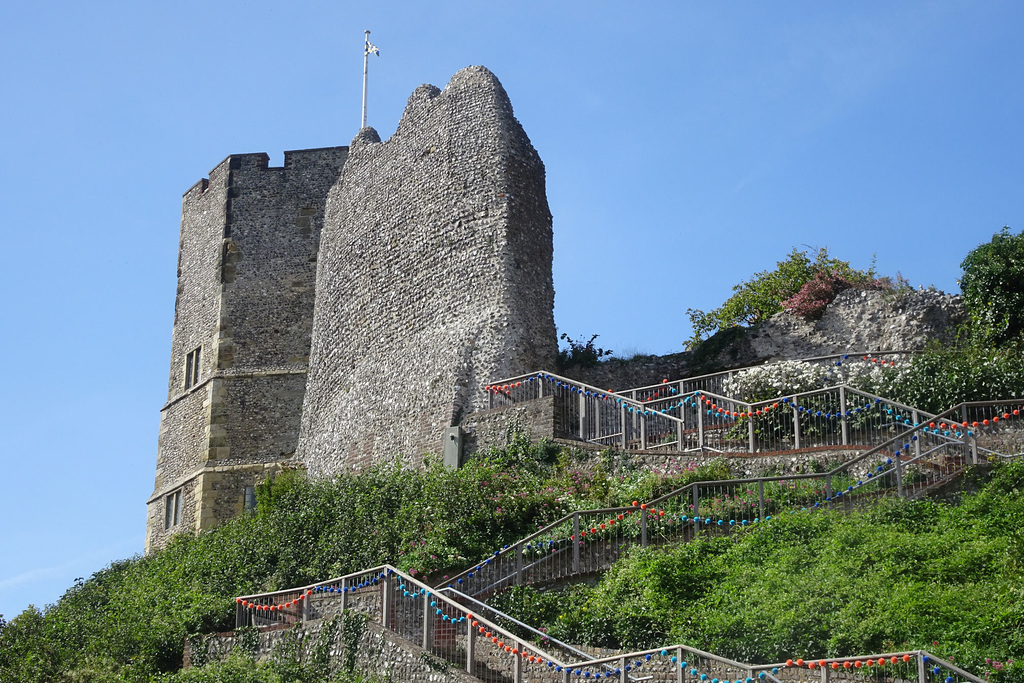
[{"x": 350, "y": 305}]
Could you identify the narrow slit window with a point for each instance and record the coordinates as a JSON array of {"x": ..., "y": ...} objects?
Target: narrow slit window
[
  {"x": 172, "y": 509},
  {"x": 192, "y": 367},
  {"x": 250, "y": 499}
]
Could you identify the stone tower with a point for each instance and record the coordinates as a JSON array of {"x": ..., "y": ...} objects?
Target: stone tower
[
  {"x": 434, "y": 277},
  {"x": 240, "y": 344}
]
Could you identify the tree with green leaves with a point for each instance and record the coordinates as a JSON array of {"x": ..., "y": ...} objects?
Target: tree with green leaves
[{"x": 993, "y": 287}]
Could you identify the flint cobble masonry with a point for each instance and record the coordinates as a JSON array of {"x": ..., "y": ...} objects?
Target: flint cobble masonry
[{"x": 434, "y": 277}]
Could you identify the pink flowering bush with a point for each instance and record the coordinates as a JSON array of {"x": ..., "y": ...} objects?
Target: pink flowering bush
[
  {"x": 1010, "y": 671},
  {"x": 822, "y": 288}
]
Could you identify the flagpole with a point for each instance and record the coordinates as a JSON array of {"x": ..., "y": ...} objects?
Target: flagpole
[{"x": 366, "y": 60}]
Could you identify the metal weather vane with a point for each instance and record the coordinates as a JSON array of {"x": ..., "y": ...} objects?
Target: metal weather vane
[{"x": 367, "y": 49}]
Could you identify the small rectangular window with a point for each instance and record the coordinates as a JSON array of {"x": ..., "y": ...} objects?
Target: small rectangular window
[
  {"x": 172, "y": 509},
  {"x": 192, "y": 368},
  {"x": 250, "y": 498}
]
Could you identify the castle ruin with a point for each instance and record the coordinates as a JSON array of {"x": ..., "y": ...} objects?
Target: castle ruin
[{"x": 349, "y": 306}]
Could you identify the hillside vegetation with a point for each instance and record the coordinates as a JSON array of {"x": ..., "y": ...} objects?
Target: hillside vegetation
[
  {"x": 129, "y": 621},
  {"x": 905, "y": 575},
  {"x": 921, "y": 574}
]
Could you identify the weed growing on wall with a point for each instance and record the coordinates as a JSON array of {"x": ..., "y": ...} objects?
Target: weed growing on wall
[{"x": 579, "y": 353}]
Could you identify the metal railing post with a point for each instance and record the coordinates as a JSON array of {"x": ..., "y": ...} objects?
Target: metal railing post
[
  {"x": 680, "y": 434},
  {"x": 470, "y": 647},
  {"x": 519, "y": 564},
  {"x": 304, "y": 613},
  {"x": 760, "y": 498},
  {"x": 385, "y": 600},
  {"x": 696, "y": 504},
  {"x": 643, "y": 528},
  {"x": 700, "y": 424},
  {"x": 844, "y": 420},
  {"x": 428, "y": 619},
  {"x": 680, "y": 671},
  {"x": 916, "y": 417},
  {"x": 899, "y": 476},
  {"x": 575, "y": 542},
  {"x": 540, "y": 387},
  {"x": 922, "y": 672},
  {"x": 622, "y": 418},
  {"x": 796, "y": 423},
  {"x": 828, "y": 486},
  {"x": 583, "y": 417},
  {"x": 490, "y": 399},
  {"x": 517, "y": 665},
  {"x": 825, "y": 674},
  {"x": 750, "y": 429},
  {"x": 643, "y": 431},
  {"x": 623, "y": 675},
  {"x": 344, "y": 596}
]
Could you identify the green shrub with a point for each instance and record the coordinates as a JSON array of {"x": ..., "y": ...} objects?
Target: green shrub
[
  {"x": 941, "y": 376},
  {"x": 584, "y": 354},
  {"x": 993, "y": 287}
]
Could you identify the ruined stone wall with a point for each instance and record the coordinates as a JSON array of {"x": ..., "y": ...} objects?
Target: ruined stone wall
[
  {"x": 488, "y": 429},
  {"x": 434, "y": 277},
  {"x": 856, "y": 320},
  {"x": 616, "y": 374}
]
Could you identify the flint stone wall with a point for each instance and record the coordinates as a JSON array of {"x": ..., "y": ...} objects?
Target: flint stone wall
[
  {"x": 378, "y": 651},
  {"x": 487, "y": 429},
  {"x": 434, "y": 277}
]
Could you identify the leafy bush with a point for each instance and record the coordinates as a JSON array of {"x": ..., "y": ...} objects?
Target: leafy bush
[
  {"x": 941, "y": 377},
  {"x": 280, "y": 668},
  {"x": 579, "y": 353},
  {"x": 993, "y": 287},
  {"x": 762, "y": 296},
  {"x": 818, "y": 292}
]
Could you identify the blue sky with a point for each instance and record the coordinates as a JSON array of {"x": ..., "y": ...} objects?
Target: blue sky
[{"x": 688, "y": 145}]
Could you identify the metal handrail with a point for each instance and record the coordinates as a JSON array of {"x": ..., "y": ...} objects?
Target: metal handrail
[
  {"x": 459, "y": 595},
  {"x": 910, "y": 433},
  {"x": 540, "y": 634}
]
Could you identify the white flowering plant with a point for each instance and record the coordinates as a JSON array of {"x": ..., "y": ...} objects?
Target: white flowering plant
[{"x": 784, "y": 378}]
